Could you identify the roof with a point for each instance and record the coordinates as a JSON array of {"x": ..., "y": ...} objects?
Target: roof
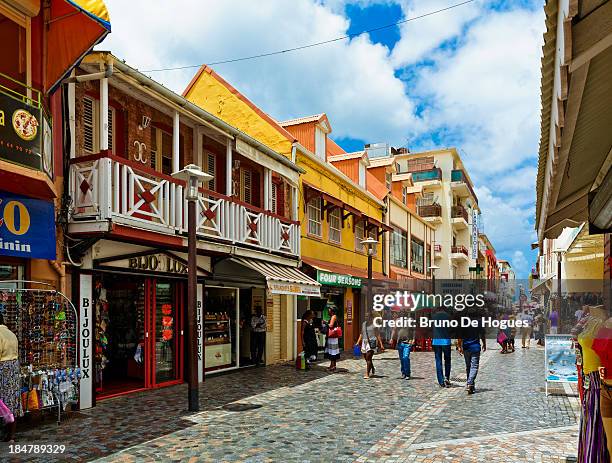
[
  {"x": 546, "y": 95},
  {"x": 241, "y": 97},
  {"x": 333, "y": 148},
  {"x": 375, "y": 186},
  {"x": 302, "y": 120}
]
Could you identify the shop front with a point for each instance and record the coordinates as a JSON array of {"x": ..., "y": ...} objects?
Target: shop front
[
  {"x": 132, "y": 320},
  {"x": 239, "y": 288}
]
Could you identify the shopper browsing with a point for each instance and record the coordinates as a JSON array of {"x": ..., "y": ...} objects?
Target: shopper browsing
[
  {"x": 258, "y": 338},
  {"x": 10, "y": 386}
]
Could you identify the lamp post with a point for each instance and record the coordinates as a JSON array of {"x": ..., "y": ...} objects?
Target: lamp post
[
  {"x": 192, "y": 175},
  {"x": 370, "y": 244}
]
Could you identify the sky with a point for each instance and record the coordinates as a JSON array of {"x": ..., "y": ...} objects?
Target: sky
[{"x": 468, "y": 77}]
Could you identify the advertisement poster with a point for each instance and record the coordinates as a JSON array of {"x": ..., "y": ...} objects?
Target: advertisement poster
[
  {"x": 27, "y": 227},
  {"x": 21, "y": 132},
  {"x": 560, "y": 359}
]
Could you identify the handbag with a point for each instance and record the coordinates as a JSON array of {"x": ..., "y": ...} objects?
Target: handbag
[
  {"x": 335, "y": 332},
  {"x": 501, "y": 337},
  {"x": 5, "y": 413},
  {"x": 371, "y": 341}
]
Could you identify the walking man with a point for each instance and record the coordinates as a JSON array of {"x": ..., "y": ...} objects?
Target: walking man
[
  {"x": 441, "y": 343},
  {"x": 258, "y": 339},
  {"x": 469, "y": 346},
  {"x": 526, "y": 329}
]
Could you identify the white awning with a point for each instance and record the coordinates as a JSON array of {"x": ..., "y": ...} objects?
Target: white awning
[
  {"x": 281, "y": 279},
  {"x": 541, "y": 286}
]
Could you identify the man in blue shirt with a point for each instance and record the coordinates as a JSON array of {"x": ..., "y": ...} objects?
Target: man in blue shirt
[
  {"x": 469, "y": 347},
  {"x": 441, "y": 343}
]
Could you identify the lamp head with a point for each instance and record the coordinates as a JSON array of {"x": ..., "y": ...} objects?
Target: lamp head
[
  {"x": 371, "y": 245},
  {"x": 192, "y": 175}
]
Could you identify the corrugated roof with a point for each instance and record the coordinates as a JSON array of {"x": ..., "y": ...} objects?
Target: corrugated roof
[
  {"x": 375, "y": 186},
  {"x": 546, "y": 95}
]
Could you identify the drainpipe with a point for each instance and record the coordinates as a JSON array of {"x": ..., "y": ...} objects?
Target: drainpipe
[{"x": 61, "y": 271}]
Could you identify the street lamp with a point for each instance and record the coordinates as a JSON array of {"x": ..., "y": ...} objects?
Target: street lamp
[
  {"x": 370, "y": 244},
  {"x": 433, "y": 269},
  {"x": 192, "y": 175}
]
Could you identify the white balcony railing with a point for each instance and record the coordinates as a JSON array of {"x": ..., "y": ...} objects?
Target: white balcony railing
[{"x": 105, "y": 187}]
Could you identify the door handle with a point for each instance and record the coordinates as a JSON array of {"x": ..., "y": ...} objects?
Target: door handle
[
  {"x": 147, "y": 334},
  {"x": 181, "y": 332}
]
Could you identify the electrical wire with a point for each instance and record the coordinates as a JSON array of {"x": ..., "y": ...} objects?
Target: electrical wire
[{"x": 316, "y": 44}]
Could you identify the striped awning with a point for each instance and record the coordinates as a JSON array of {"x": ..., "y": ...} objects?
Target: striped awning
[{"x": 282, "y": 279}]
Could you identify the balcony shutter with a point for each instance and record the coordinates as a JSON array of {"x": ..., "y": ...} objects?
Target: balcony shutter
[
  {"x": 274, "y": 198},
  {"x": 89, "y": 131},
  {"x": 245, "y": 185},
  {"x": 211, "y": 167},
  {"x": 111, "y": 124}
]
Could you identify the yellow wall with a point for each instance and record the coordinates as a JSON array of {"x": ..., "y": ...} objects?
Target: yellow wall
[
  {"x": 333, "y": 184},
  {"x": 211, "y": 95}
]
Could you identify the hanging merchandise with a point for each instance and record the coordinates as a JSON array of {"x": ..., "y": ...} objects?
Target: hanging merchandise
[
  {"x": 45, "y": 323},
  {"x": 167, "y": 323},
  {"x": 102, "y": 322}
]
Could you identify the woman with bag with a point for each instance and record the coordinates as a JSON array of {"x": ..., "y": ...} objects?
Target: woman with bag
[
  {"x": 10, "y": 388},
  {"x": 334, "y": 332},
  {"x": 369, "y": 339}
]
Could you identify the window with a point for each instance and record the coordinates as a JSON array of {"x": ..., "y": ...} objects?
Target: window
[
  {"x": 274, "y": 198},
  {"x": 404, "y": 194},
  {"x": 359, "y": 236},
  {"x": 210, "y": 167},
  {"x": 91, "y": 126},
  {"x": 388, "y": 180},
  {"x": 362, "y": 175},
  {"x": 373, "y": 233},
  {"x": 335, "y": 225},
  {"x": 246, "y": 186},
  {"x": 416, "y": 255},
  {"x": 320, "y": 143},
  {"x": 161, "y": 151},
  {"x": 399, "y": 244},
  {"x": 314, "y": 217}
]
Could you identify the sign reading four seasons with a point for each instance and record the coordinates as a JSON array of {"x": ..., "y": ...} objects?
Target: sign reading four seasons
[
  {"x": 27, "y": 227},
  {"x": 336, "y": 279}
]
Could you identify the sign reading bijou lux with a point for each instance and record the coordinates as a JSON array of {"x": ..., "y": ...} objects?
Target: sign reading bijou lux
[
  {"x": 21, "y": 133},
  {"x": 27, "y": 227},
  {"x": 86, "y": 329},
  {"x": 337, "y": 279}
]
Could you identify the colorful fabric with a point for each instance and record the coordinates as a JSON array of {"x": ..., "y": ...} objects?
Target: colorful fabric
[
  {"x": 10, "y": 387},
  {"x": 592, "y": 439},
  {"x": 332, "y": 351},
  {"x": 602, "y": 345}
]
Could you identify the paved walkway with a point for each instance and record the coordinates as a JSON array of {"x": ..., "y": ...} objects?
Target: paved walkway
[{"x": 279, "y": 414}]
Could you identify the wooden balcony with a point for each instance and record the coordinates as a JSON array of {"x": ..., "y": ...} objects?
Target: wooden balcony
[
  {"x": 459, "y": 218},
  {"x": 431, "y": 213},
  {"x": 109, "y": 189},
  {"x": 437, "y": 251},
  {"x": 459, "y": 253}
]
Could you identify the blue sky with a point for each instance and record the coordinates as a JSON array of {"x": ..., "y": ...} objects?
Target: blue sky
[{"x": 467, "y": 77}]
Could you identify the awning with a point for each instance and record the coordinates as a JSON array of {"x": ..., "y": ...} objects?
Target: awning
[
  {"x": 281, "y": 279},
  {"x": 74, "y": 27},
  {"x": 541, "y": 286}
]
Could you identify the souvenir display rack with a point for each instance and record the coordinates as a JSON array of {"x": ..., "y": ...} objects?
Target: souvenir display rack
[{"x": 45, "y": 323}]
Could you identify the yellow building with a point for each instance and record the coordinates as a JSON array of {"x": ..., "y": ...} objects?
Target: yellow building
[{"x": 336, "y": 212}]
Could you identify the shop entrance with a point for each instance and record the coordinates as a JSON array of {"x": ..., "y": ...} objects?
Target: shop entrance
[{"x": 139, "y": 333}]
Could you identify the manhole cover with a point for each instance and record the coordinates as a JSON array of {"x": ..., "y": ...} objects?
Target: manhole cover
[{"x": 240, "y": 407}]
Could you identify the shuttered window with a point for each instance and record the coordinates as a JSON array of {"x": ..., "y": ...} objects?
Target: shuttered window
[
  {"x": 275, "y": 198},
  {"x": 314, "y": 217},
  {"x": 89, "y": 125},
  {"x": 359, "y": 236},
  {"x": 111, "y": 126},
  {"x": 211, "y": 168},
  {"x": 335, "y": 225},
  {"x": 246, "y": 185}
]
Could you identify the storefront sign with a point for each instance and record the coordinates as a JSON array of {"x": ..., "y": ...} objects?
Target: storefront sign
[
  {"x": 27, "y": 227},
  {"x": 157, "y": 263},
  {"x": 86, "y": 362},
  {"x": 283, "y": 287},
  {"x": 21, "y": 129},
  {"x": 200, "y": 328},
  {"x": 337, "y": 279}
]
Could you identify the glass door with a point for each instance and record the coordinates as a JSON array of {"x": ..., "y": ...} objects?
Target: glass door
[{"x": 167, "y": 332}]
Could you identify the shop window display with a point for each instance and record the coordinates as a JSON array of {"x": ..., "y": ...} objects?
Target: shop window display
[{"x": 220, "y": 329}]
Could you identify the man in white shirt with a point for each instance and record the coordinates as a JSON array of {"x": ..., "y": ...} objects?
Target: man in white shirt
[
  {"x": 258, "y": 336},
  {"x": 527, "y": 329}
]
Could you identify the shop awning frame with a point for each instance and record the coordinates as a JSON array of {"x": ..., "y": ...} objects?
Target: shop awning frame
[{"x": 281, "y": 279}]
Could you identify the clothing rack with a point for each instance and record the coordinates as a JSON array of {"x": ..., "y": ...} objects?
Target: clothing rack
[{"x": 46, "y": 325}]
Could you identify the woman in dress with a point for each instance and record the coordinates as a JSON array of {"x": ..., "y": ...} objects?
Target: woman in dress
[
  {"x": 309, "y": 337},
  {"x": 9, "y": 376},
  {"x": 332, "y": 351},
  {"x": 369, "y": 339}
]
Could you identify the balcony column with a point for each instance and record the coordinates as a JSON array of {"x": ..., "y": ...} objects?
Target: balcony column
[
  {"x": 266, "y": 191},
  {"x": 103, "y": 142},
  {"x": 294, "y": 203},
  {"x": 176, "y": 165},
  {"x": 228, "y": 169}
]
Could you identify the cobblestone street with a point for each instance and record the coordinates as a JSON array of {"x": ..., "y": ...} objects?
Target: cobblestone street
[{"x": 279, "y": 414}]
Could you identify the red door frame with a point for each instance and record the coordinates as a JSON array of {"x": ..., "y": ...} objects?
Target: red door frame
[{"x": 150, "y": 316}]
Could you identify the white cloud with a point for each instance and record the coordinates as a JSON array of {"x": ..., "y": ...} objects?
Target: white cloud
[
  {"x": 519, "y": 263},
  {"x": 353, "y": 80}
]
